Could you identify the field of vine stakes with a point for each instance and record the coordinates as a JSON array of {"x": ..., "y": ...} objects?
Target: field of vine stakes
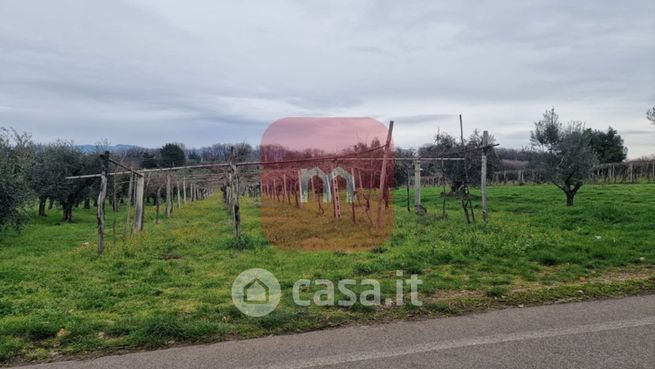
[{"x": 171, "y": 283}]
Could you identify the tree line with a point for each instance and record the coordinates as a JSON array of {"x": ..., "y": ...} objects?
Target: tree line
[
  {"x": 33, "y": 173},
  {"x": 567, "y": 153},
  {"x": 564, "y": 153},
  {"x": 608, "y": 146}
]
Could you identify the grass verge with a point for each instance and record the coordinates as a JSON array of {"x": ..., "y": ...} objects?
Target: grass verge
[{"x": 171, "y": 284}]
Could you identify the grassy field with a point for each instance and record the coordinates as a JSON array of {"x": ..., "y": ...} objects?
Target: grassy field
[{"x": 171, "y": 284}]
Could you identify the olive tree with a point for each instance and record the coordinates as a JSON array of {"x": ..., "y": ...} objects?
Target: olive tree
[
  {"x": 43, "y": 177},
  {"x": 608, "y": 145},
  {"x": 459, "y": 172},
  {"x": 562, "y": 153},
  {"x": 16, "y": 154},
  {"x": 53, "y": 164}
]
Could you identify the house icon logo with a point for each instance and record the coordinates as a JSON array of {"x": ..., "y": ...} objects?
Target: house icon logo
[{"x": 256, "y": 292}]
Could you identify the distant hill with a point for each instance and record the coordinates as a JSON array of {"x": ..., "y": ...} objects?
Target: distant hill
[{"x": 113, "y": 148}]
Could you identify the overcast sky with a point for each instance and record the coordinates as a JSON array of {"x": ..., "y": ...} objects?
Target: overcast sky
[{"x": 148, "y": 72}]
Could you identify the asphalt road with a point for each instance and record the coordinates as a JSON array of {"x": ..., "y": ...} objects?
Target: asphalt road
[{"x": 603, "y": 334}]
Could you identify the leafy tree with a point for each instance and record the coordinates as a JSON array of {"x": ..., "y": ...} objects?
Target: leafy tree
[
  {"x": 149, "y": 161},
  {"x": 53, "y": 164},
  {"x": 16, "y": 155},
  {"x": 650, "y": 115},
  {"x": 42, "y": 179},
  {"x": 73, "y": 192},
  {"x": 194, "y": 157},
  {"x": 172, "y": 155},
  {"x": 562, "y": 153},
  {"x": 459, "y": 172},
  {"x": 608, "y": 145}
]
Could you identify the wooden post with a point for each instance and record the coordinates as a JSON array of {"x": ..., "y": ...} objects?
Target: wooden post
[
  {"x": 284, "y": 188},
  {"x": 228, "y": 193},
  {"x": 407, "y": 187},
  {"x": 461, "y": 129},
  {"x": 157, "y": 202},
  {"x": 383, "y": 175},
  {"x": 184, "y": 190},
  {"x": 114, "y": 198},
  {"x": 130, "y": 195},
  {"x": 275, "y": 191},
  {"x": 101, "y": 212},
  {"x": 296, "y": 195},
  {"x": 371, "y": 177},
  {"x": 236, "y": 204},
  {"x": 319, "y": 199},
  {"x": 443, "y": 195},
  {"x": 483, "y": 178},
  {"x": 169, "y": 201},
  {"x": 138, "y": 204},
  {"x": 101, "y": 203},
  {"x": 299, "y": 203},
  {"x": 613, "y": 173},
  {"x": 417, "y": 187},
  {"x": 177, "y": 187},
  {"x": 335, "y": 194},
  {"x": 313, "y": 188}
]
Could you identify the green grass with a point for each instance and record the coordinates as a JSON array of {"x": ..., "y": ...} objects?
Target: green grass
[{"x": 171, "y": 284}]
